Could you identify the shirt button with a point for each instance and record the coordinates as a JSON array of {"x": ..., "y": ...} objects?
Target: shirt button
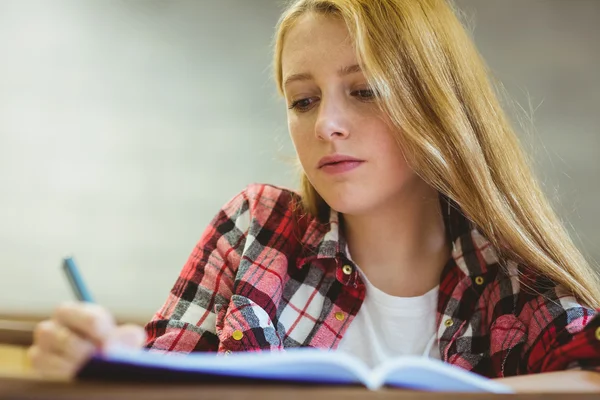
[
  {"x": 340, "y": 316},
  {"x": 479, "y": 280},
  {"x": 237, "y": 335},
  {"x": 448, "y": 323},
  {"x": 597, "y": 333},
  {"x": 227, "y": 352},
  {"x": 347, "y": 269}
]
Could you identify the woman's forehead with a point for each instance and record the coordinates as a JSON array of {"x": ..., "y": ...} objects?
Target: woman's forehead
[{"x": 316, "y": 39}]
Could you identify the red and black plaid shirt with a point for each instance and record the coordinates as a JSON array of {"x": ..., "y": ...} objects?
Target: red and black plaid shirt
[{"x": 260, "y": 279}]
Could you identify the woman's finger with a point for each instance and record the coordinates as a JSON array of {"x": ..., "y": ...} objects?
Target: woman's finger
[
  {"x": 54, "y": 338},
  {"x": 51, "y": 365},
  {"x": 88, "y": 320}
]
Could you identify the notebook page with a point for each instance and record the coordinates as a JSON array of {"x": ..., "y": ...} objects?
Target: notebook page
[
  {"x": 299, "y": 365},
  {"x": 421, "y": 373}
]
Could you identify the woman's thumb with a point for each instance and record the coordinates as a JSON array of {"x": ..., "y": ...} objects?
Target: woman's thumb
[{"x": 128, "y": 336}]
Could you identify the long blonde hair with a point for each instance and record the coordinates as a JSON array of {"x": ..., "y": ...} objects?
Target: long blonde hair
[{"x": 436, "y": 89}]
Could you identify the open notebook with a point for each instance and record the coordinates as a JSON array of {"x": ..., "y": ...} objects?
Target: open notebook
[{"x": 301, "y": 366}]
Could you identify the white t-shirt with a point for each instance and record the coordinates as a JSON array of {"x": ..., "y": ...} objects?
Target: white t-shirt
[{"x": 388, "y": 326}]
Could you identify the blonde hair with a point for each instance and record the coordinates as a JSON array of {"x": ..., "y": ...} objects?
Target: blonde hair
[{"x": 435, "y": 87}]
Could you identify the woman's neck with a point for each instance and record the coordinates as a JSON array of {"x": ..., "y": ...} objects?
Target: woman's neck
[{"x": 401, "y": 247}]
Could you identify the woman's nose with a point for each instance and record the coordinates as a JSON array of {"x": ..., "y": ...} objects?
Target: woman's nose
[{"x": 332, "y": 121}]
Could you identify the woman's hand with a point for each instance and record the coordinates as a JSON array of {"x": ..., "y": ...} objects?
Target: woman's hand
[{"x": 62, "y": 344}]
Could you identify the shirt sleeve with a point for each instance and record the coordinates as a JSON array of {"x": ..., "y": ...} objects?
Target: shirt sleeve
[
  {"x": 186, "y": 321},
  {"x": 562, "y": 334}
]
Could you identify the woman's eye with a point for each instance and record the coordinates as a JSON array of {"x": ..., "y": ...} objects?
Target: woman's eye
[
  {"x": 303, "y": 104},
  {"x": 364, "y": 94}
]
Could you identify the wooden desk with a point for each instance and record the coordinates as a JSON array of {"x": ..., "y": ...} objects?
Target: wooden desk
[
  {"x": 21, "y": 388},
  {"x": 16, "y": 382},
  {"x": 19, "y": 333}
]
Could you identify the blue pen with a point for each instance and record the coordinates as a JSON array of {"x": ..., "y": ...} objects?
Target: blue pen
[{"x": 76, "y": 281}]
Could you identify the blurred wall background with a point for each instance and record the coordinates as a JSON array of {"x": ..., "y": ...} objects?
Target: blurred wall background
[{"x": 125, "y": 125}]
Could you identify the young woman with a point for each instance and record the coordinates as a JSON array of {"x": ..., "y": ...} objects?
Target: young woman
[{"x": 419, "y": 228}]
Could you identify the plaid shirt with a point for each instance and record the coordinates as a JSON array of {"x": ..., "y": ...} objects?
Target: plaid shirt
[{"x": 262, "y": 279}]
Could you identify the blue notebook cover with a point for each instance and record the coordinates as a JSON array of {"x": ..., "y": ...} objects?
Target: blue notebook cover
[{"x": 300, "y": 366}]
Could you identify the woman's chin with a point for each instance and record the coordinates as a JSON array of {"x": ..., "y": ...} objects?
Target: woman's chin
[{"x": 348, "y": 206}]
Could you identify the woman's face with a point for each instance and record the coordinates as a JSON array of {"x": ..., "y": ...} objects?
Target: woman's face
[{"x": 344, "y": 142}]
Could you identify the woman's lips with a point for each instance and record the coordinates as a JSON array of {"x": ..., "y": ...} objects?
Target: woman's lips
[{"x": 341, "y": 167}]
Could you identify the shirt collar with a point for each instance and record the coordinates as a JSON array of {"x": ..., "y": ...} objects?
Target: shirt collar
[
  {"x": 471, "y": 251},
  {"x": 323, "y": 240}
]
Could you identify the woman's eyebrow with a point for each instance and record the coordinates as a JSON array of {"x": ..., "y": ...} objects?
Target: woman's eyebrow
[
  {"x": 297, "y": 78},
  {"x": 348, "y": 70},
  {"x": 352, "y": 69}
]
